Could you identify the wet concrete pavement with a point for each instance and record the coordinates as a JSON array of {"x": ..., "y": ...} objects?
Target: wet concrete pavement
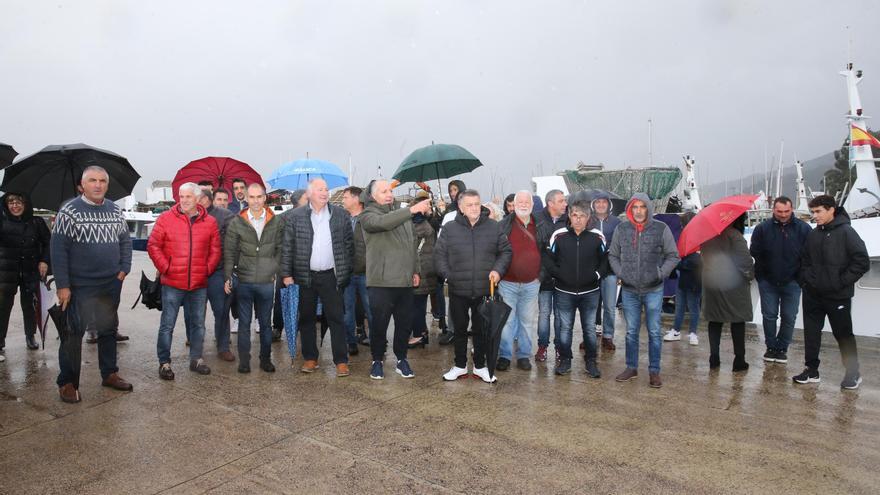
[{"x": 287, "y": 432}]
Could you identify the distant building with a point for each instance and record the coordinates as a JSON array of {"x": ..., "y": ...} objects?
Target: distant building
[{"x": 159, "y": 192}]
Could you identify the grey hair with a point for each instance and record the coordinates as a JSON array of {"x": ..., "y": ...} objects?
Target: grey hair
[
  {"x": 257, "y": 184},
  {"x": 316, "y": 179},
  {"x": 467, "y": 193},
  {"x": 95, "y": 168},
  {"x": 551, "y": 194},
  {"x": 193, "y": 188},
  {"x": 373, "y": 184},
  {"x": 527, "y": 193}
]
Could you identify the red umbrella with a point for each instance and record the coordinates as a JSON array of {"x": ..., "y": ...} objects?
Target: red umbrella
[
  {"x": 220, "y": 170},
  {"x": 712, "y": 220}
]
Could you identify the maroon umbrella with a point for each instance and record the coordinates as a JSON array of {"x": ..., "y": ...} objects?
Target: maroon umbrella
[{"x": 220, "y": 170}]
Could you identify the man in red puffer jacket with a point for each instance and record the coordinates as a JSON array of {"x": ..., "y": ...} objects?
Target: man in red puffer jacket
[{"x": 185, "y": 247}]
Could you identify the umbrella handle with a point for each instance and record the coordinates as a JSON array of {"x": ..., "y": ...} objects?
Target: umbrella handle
[{"x": 492, "y": 289}]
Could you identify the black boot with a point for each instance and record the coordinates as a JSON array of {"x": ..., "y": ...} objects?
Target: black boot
[
  {"x": 714, "y": 344},
  {"x": 442, "y": 324},
  {"x": 447, "y": 338},
  {"x": 31, "y": 342}
]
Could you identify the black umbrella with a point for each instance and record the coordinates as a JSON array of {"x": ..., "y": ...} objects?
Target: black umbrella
[
  {"x": 494, "y": 312},
  {"x": 51, "y": 176},
  {"x": 7, "y": 154}
]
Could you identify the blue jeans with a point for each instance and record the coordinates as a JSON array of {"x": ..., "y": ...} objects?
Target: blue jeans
[
  {"x": 686, "y": 300},
  {"x": 652, "y": 302},
  {"x": 545, "y": 307},
  {"x": 193, "y": 303},
  {"x": 609, "y": 304},
  {"x": 220, "y": 304},
  {"x": 586, "y": 305},
  {"x": 357, "y": 287},
  {"x": 250, "y": 296},
  {"x": 522, "y": 299},
  {"x": 775, "y": 300}
]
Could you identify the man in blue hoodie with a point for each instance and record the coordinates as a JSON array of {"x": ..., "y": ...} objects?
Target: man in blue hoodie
[
  {"x": 605, "y": 222},
  {"x": 777, "y": 244},
  {"x": 642, "y": 254}
]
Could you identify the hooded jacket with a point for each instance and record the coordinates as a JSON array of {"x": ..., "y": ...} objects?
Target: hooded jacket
[
  {"x": 726, "y": 275},
  {"x": 185, "y": 250},
  {"x": 777, "y": 248},
  {"x": 24, "y": 243},
  {"x": 253, "y": 260},
  {"x": 390, "y": 242},
  {"x": 834, "y": 259},
  {"x": 577, "y": 262},
  {"x": 642, "y": 255},
  {"x": 608, "y": 225},
  {"x": 296, "y": 251},
  {"x": 465, "y": 254},
  {"x": 453, "y": 204}
]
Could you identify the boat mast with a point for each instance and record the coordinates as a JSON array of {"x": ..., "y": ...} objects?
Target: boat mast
[
  {"x": 802, "y": 199},
  {"x": 691, "y": 192},
  {"x": 864, "y": 191}
]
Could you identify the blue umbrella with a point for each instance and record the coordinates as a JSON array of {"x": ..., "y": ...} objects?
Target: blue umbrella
[
  {"x": 297, "y": 174},
  {"x": 290, "y": 313}
]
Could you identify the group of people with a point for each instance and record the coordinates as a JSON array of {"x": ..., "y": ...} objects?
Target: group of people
[{"x": 571, "y": 256}]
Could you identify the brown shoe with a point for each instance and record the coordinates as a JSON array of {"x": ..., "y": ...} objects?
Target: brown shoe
[
  {"x": 309, "y": 366},
  {"x": 627, "y": 375},
  {"x": 69, "y": 393},
  {"x": 114, "y": 381},
  {"x": 608, "y": 344},
  {"x": 226, "y": 356},
  {"x": 342, "y": 370},
  {"x": 655, "y": 380}
]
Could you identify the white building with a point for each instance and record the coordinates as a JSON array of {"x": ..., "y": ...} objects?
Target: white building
[{"x": 159, "y": 190}]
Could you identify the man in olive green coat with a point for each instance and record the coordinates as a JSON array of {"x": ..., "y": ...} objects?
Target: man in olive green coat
[
  {"x": 392, "y": 272},
  {"x": 251, "y": 256}
]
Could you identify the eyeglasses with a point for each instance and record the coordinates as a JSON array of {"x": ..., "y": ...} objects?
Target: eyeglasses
[{"x": 15, "y": 202}]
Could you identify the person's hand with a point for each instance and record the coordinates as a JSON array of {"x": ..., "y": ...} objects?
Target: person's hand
[
  {"x": 287, "y": 281},
  {"x": 441, "y": 205},
  {"x": 121, "y": 276},
  {"x": 422, "y": 207},
  {"x": 44, "y": 268},
  {"x": 494, "y": 277},
  {"x": 227, "y": 287},
  {"x": 416, "y": 280},
  {"x": 63, "y": 298}
]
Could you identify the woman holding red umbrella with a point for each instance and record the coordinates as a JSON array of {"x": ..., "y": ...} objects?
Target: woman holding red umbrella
[{"x": 727, "y": 273}]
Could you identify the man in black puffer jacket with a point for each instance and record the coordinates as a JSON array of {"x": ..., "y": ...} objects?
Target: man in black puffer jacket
[
  {"x": 24, "y": 259},
  {"x": 832, "y": 261},
  {"x": 317, "y": 255},
  {"x": 470, "y": 253}
]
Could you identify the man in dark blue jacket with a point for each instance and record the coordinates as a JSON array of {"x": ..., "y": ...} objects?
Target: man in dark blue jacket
[
  {"x": 577, "y": 260},
  {"x": 776, "y": 245}
]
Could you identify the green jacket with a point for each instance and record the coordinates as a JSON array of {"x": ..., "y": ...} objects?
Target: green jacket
[
  {"x": 391, "y": 248},
  {"x": 254, "y": 261}
]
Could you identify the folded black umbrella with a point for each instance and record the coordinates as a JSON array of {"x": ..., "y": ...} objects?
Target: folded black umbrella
[
  {"x": 151, "y": 293},
  {"x": 59, "y": 318},
  {"x": 51, "y": 175},
  {"x": 494, "y": 312}
]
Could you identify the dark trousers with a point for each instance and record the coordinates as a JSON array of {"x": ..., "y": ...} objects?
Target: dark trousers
[
  {"x": 839, "y": 313},
  {"x": 7, "y": 299},
  {"x": 420, "y": 306},
  {"x": 737, "y": 332},
  {"x": 251, "y": 296},
  {"x": 92, "y": 307},
  {"x": 385, "y": 303},
  {"x": 323, "y": 286},
  {"x": 277, "y": 316},
  {"x": 463, "y": 311}
]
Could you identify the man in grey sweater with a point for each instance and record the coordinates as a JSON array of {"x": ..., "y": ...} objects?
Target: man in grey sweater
[
  {"x": 642, "y": 255},
  {"x": 91, "y": 255}
]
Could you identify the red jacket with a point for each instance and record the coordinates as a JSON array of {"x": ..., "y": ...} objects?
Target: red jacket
[{"x": 185, "y": 252}]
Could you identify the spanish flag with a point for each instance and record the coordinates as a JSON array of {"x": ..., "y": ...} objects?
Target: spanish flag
[{"x": 861, "y": 137}]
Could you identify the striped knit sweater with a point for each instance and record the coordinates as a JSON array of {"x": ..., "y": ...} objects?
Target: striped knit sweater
[{"x": 90, "y": 244}]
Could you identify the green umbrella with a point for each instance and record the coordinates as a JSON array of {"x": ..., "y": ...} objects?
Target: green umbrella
[{"x": 438, "y": 161}]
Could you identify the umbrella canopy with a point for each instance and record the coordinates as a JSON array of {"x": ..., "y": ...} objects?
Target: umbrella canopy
[
  {"x": 438, "y": 161},
  {"x": 220, "y": 170},
  {"x": 494, "y": 313},
  {"x": 42, "y": 302},
  {"x": 297, "y": 174},
  {"x": 290, "y": 314},
  {"x": 51, "y": 175},
  {"x": 712, "y": 220},
  {"x": 7, "y": 154}
]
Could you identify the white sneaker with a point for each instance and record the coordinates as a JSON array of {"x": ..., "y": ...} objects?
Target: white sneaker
[
  {"x": 672, "y": 335},
  {"x": 233, "y": 328},
  {"x": 693, "y": 339},
  {"x": 2, "y": 358},
  {"x": 483, "y": 374},
  {"x": 455, "y": 373}
]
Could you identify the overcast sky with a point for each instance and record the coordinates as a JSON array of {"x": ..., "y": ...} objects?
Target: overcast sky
[{"x": 528, "y": 87}]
